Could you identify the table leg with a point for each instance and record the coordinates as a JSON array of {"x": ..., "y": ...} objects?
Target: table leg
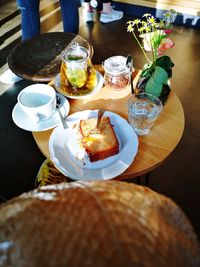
[
  {"x": 2, "y": 199},
  {"x": 146, "y": 179},
  {"x": 138, "y": 180}
]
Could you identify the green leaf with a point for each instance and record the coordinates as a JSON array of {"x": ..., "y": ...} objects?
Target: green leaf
[
  {"x": 154, "y": 85},
  {"x": 156, "y": 39},
  {"x": 165, "y": 63},
  {"x": 160, "y": 75},
  {"x": 153, "y": 88},
  {"x": 147, "y": 71}
]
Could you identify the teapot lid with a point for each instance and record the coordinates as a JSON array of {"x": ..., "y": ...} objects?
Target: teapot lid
[
  {"x": 115, "y": 65},
  {"x": 75, "y": 52}
]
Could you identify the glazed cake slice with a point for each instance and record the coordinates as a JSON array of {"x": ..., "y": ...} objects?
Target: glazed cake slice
[{"x": 102, "y": 144}]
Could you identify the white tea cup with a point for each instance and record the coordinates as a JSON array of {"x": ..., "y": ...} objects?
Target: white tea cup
[{"x": 38, "y": 101}]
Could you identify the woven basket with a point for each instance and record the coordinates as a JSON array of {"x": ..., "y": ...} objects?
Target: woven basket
[
  {"x": 48, "y": 174},
  {"x": 95, "y": 224}
]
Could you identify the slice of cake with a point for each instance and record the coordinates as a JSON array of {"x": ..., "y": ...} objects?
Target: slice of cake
[{"x": 101, "y": 144}]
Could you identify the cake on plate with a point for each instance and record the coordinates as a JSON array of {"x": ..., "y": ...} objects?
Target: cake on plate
[{"x": 99, "y": 144}]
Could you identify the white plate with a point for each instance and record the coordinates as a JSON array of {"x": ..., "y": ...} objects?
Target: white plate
[
  {"x": 100, "y": 81},
  {"x": 63, "y": 147},
  {"x": 23, "y": 121}
]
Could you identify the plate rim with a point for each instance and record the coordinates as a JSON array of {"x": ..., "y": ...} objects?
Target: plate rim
[
  {"x": 94, "y": 91},
  {"x": 74, "y": 176}
]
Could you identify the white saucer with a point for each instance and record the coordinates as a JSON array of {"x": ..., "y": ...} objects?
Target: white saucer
[
  {"x": 100, "y": 81},
  {"x": 23, "y": 121}
]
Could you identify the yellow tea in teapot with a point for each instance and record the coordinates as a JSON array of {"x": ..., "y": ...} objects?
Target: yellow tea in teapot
[{"x": 78, "y": 76}]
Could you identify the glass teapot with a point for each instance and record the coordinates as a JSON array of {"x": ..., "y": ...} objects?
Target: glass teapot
[{"x": 78, "y": 76}]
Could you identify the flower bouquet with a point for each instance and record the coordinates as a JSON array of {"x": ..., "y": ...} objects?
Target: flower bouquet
[{"x": 154, "y": 33}]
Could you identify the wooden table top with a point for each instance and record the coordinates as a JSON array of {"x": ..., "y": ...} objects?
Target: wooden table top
[{"x": 154, "y": 148}]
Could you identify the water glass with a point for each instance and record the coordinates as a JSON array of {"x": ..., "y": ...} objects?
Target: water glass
[{"x": 143, "y": 110}]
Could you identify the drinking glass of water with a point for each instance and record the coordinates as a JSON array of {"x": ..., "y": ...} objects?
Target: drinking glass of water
[{"x": 143, "y": 110}]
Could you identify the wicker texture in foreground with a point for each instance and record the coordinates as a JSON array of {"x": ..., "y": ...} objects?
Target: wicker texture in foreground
[{"x": 96, "y": 224}]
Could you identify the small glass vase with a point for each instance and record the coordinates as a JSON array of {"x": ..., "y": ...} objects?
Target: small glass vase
[{"x": 141, "y": 88}]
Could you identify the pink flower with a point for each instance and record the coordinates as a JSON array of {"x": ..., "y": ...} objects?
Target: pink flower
[
  {"x": 165, "y": 44},
  {"x": 168, "y": 31}
]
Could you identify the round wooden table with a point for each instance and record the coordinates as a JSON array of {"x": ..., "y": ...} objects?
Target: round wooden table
[{"x": 154, "y": 148}]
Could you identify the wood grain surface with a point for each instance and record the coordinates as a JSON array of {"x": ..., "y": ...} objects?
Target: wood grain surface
[
  {"x": 154, "y": 148},
  {"x": 39, "y": 59}
]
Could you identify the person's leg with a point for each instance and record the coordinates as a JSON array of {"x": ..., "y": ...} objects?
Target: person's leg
[
  {"x": 108, "y": 14},
  {"x": 30, "y": 18},
  {"x": 87, "y": 11},
  {"x": 106, "y": 6},
  {"x": 70, "y": 15},
  {"x": 87, "y": 6}
]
